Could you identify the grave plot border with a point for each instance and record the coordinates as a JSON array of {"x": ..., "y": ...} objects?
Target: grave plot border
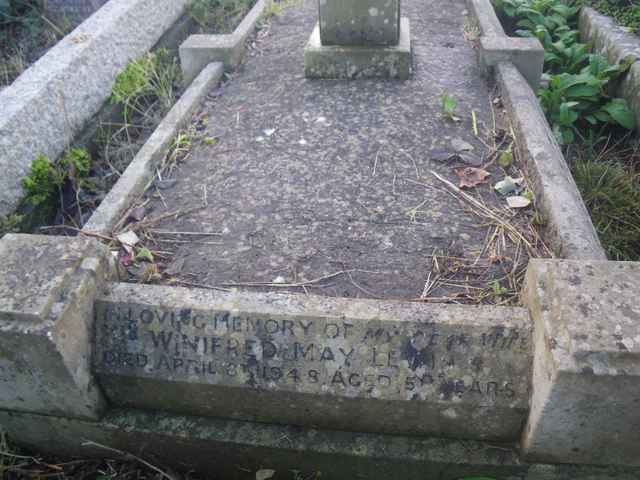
[
  {"x": 560, "y": 362},
  {"x": 141, "y": 170},
  {"x": 197, "y": 51},
  {"x": 50, "y": 103},
  {"x": 570, "y": 229},
  {"x": 595, "y": 366},
  {"x": 237, "y": 450},
  {"x": 203, "y": 59},
  {"x": 458, "y": 371},
  {"x": 617, "y": 44}
]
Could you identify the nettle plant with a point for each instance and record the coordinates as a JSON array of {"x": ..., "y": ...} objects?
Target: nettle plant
[{"x": 576, "y": 95}]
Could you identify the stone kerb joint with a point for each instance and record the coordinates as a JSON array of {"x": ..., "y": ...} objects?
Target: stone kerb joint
[
  {"x": 359, "y": 39},
  {"x": 47, "y": 290},
  {"x": 198, "y": 51},
  {"x": 586, "y": 362},
  {"x": 527, "y": 54}
]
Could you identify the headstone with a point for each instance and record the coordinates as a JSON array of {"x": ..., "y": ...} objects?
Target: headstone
[
  {"x": 335, "y": 363},
  {"x": 359, "y": 22},
  {"x": 47, "y": 287},
  {"x": 359, "y": 39},
  {"x": 585, "y": 405}
]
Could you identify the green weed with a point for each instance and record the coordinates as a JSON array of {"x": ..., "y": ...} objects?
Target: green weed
[
  {"x": 44, "y": 182},
  {"x": 11, "y": 224},
  {"x": 44, "y": 185},
  {"x": 449, "y": 107},
  {"x": 148, "y": 80}
]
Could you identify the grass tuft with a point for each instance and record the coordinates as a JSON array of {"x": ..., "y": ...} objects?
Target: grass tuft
[{"x": 611, "y": 192}]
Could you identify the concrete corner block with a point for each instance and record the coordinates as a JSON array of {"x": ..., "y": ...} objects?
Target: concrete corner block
[
  {"x": 586, "y": 373},
  {"x": 47, "y": 288},
  {"x": 527, "y": 54},
  {"x": 352, "y": 62},
  {"x": 198, "y": 51}
]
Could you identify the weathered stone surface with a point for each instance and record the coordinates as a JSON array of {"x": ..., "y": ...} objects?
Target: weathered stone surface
[
  {"x": 359, "y": 22},
  {"x": 586, "y": 377},
  {"x": 617, "y": 44},
  {"x": 527, "y": 54},
  {"x": 336, "y": 61},
  {"x": 482, "y": 11},
  {"x": 570, "y": 231},
  {"x": 335, "y": 363},
  {"x": 312, "y": 194},
  {"x": 199, "y": 50},
  {"x": 52, "y": 101},
  {"x": 236, "y": 450},
  {"x": 47, "y": 286}
]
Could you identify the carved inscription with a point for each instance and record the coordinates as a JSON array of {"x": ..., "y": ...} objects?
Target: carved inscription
[{"x": 376, "y": 359}]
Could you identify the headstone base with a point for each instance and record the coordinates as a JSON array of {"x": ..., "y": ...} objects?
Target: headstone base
[{"x": 332, "y": 61}]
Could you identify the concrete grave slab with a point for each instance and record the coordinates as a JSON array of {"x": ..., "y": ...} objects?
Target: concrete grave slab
[
  {"x": 358, "y": 365},
  {"x": 586, "y": 377},
  {"x": 359, "y": 22},
  {"x": 47, "y": 285},
  {"x": 359, "y": 61},
  {"x": 313, "y": 178}
]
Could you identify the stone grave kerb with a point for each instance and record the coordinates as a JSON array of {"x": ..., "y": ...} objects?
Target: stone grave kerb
[
  {"x": 359, "y": 39},
  {"x": 47, "y": 289}
]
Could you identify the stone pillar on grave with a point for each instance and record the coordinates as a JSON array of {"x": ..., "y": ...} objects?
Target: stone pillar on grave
[{"x": 359, "y": 39}]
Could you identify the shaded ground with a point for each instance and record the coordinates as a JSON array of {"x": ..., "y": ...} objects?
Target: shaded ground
[{"x": 327, "y": 186}]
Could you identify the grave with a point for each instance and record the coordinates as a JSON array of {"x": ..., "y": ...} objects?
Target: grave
[
  {"x": 333, "y": 363},
  {"x": 359, "y": 39},
  {"x": 340, "y": 375}
]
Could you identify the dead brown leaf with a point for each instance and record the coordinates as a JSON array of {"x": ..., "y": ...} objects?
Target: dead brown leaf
[{"x": 472, "y": 177}]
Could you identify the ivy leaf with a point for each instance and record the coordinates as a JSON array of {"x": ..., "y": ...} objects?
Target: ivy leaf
[{"x": 621, "y": 113}]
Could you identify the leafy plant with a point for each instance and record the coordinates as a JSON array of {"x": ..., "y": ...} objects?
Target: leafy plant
[
  {"x": 576, "y": 97},
  {"x": 77, "y": 162},
  {"x": 150, "y": 79},
  {"x": 10, "y": 224},
  {"x": 449, "y": 107},
  {"x": 44, "y": 182}
]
